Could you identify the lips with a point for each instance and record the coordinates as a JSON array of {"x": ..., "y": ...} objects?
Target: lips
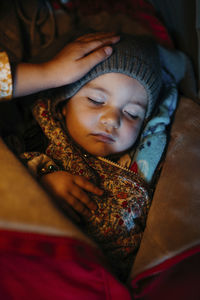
[{"x": 104, "y": 137}]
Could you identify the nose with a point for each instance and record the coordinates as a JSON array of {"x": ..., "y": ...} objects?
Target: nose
[{"x": 111, "y": 119}]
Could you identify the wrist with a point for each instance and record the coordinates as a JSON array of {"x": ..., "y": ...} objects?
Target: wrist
[
  {"x": 53, "y": 73},
  {"x": 31, "y": 78},
  {"x": 51, "y": 168}
]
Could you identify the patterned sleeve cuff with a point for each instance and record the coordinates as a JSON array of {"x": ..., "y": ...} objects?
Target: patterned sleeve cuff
[{"x": 5, "y": 77}]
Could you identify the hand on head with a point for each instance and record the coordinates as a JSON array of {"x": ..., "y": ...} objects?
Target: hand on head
[
  {"x": 69, "y": 65},
  {"x": 78, "y": 57}
]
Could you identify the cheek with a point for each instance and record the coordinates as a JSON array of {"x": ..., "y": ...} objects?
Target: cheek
[
  {"x": 85, "y": 120},
  {"x": 129, "y": 134},
  {"x": 78, "y": 119}
]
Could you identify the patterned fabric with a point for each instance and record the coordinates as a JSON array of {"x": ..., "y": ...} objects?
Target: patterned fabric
[
  {"x": 5, "y": 77},
  {"x": 118, "y": 223}
]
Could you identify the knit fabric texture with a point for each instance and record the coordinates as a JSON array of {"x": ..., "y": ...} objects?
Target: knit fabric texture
[{"x": 135, "y": 56}]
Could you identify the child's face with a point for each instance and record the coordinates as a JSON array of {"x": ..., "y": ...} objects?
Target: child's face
[{"x": 106, "y": 115}]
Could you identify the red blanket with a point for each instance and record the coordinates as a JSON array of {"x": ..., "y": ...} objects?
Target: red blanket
[
  {"x": 35, "y": 266},
  {"x": 41, "y": 267}
]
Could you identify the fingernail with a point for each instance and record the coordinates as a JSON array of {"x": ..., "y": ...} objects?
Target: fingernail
[
  {"x": 100, "y": 192},
  {"x": 116, "y": 38},
  {"x": 108, "y": 50}
]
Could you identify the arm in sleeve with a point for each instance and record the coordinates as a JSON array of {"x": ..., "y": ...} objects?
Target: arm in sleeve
[{"x": 6, "y": 85}]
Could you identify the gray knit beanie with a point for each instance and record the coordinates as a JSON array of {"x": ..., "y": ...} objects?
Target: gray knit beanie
[{"x": 135, "y": 56}]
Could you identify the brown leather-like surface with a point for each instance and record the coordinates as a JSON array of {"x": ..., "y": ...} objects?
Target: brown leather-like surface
[{"x": 173, "y": 223}]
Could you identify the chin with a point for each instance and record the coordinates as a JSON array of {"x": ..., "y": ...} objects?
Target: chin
[{"x": 100, "y": 152}]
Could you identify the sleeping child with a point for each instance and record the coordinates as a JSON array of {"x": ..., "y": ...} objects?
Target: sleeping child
[{"x": 91, "y": 130}]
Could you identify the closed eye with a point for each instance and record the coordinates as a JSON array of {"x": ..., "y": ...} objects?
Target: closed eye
[
  {"x": 94, "y": 101},
  {"x": 132, "y": 115}
]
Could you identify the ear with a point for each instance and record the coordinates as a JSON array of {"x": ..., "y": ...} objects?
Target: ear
[{"x": 64, "y": 110}]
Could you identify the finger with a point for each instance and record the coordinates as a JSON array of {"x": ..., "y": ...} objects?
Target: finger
[
  {"x": 79, "y": 194},
  {"x": 70, "y": 211},
  {"x": 98, "y": 43},
  {"x": 87, "y": 185},
  {"x": 94, "y": 58},
  {"x": 78, "y": 206},
  {"x": 97, "y": 35}
]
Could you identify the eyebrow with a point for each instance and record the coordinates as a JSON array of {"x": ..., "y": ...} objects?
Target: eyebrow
[
  {"x": 144, "y": 106},
  {"x": 98, "y": 88}
]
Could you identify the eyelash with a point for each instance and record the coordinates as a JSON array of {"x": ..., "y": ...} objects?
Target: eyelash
[
  {"x": 133, "y": 117},
  {"x": 95, "y": 101}
]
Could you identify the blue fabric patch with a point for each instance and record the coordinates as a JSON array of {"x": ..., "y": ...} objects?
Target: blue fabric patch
[{"x": 154, "y": 137}]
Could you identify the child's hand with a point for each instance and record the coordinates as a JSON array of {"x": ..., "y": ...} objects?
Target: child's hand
[
  {"x": 69, "y": 65},
  {"x": 78, "y": 57},
  {"x": 72, "y": 189}
]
